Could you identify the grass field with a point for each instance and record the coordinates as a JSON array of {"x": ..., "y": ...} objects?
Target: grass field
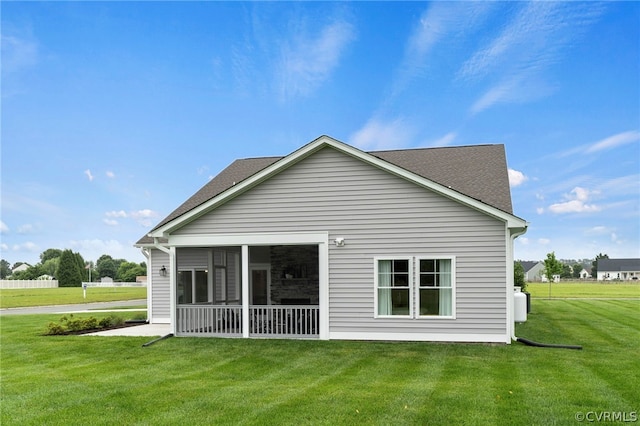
[
  {"x": 585, "y": 289},
  {"x": 19, "y": 298},
  {"x": 93, "y": 380}
]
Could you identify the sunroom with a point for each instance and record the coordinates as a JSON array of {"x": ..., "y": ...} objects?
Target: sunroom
[{"x": 282, "y": 291}]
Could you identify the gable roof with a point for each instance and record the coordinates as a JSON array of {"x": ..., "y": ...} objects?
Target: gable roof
[
  {"x": 618, "y": 265},
  {"x": 475, "y": 172},
  {"x": 528, "y": 265}
]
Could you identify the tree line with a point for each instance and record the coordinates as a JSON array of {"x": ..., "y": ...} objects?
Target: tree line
[{"x": 71, "y": 270}]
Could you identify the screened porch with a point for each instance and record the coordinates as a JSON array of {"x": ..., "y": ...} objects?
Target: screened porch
[{"x": 283, "y": 292}]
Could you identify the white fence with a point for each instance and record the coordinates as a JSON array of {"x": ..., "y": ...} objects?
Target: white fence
[
  {"x": 6, "y": 284},
  {"x": 112, "y": 284}
]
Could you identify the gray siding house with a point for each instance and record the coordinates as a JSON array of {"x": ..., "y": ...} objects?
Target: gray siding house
[{"x": 330, "y": 242}]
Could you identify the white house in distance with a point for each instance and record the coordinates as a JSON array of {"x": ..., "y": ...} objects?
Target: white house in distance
[
  {"x": 331, "y": 242},
  {"x": 618, "y": 269}
]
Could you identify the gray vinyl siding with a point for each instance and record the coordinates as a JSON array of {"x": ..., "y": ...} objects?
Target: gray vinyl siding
[
  {"x": 160, "y": 288},
  {"x": 378, "y": 214}
]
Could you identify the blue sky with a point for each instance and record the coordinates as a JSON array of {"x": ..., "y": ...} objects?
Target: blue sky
[{"x": 113, "y": 113}]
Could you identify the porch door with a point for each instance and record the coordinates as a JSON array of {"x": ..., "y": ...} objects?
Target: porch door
[{"x": 260, "y": 284}]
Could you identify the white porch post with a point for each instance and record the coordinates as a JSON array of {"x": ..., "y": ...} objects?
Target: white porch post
[
  {"x": 323, "y": 269},
  {"x": 245, "y": 291},
  {"x": 173, "y": 287}
]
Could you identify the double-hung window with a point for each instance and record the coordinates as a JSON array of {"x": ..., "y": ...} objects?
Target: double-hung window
[
  {"x": 435, "y": 294},
  {"x": 394, "y": 287},
  {"x": 415, "y": 287}
]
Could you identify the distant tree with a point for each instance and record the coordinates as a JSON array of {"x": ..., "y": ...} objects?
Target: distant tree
[
  {"x": 49, "y": 254},
  {"x": 518, "y": 276},
  {"x": 552, "y": 266},
  {"x": 5, "y": 269},
  {"x": 106, "y": 267},
  {"x": 594, "y": 264},
  {"x": 577, "y": 268},
  {"x": 50, "y": 267},
  {"x": 69, "y": 273},
  {"x": 128, "y": 271},
  {"x": 566, "y": 271}
]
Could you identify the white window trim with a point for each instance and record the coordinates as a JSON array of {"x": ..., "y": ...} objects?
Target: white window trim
[
  {"x": 414, "y": 287},
  {"x": 453, "y": 287},
  {"x": 376, "y": 261}
]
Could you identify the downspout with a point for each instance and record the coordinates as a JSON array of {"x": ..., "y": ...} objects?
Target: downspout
[{"x": 172, "y": 292}]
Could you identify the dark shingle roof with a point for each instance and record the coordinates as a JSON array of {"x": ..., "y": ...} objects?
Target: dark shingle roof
[
  {"x": 478, "y": 171},
  {"x": 618, "y": 265},
  {"x": 527, "y": 265}
]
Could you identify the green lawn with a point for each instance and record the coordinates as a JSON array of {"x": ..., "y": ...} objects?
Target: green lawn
[
  {"x": 19, "y": 298},
  {"x": 588, "y": 289},
  {"x": 65, "y": 380}
]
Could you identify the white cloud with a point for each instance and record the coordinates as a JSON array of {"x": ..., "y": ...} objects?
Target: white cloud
[
  {"x": 306, "y": 62},
  {"x": 89, "y": 175},
  {"x": 523, "y": 240},
  {"x": 114, "y": 213},
  {"x": 527, "y": 45},
  {"x": 614, "y": 141},
  {"x": 4, "y": 229},
  {"x": 576, "y": 202},
  {"x": 110, "y": 174},
  {"x": 379, "y": 135},
  {"x": 26, "y": 229},
  {"x": 540, "y": 210},
  {"x": 28, "y": 247},
  {"x": 446, "y": 140},
  {"x": 543, "y": 241},
  {"x": 4, "y": 247},
  {"x": 145, "y": 217},
  {"x": 516, "y": 178},
  {"x": 110, "y": 222},
  {"x": 441, "y": 21},
  {"x": 18, "y": 53},
  {"x": 597, "y": 230}
]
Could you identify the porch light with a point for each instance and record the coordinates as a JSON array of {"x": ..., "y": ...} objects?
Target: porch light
[{"x": 163, "y": 271}]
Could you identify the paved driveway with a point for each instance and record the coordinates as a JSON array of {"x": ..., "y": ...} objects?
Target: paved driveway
[{"x": 83, "y": 307}]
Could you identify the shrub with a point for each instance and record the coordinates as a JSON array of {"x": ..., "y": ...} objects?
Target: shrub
[{"x": 70, "y": 324}]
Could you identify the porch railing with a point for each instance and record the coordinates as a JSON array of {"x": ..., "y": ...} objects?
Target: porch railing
[
  {"x": 264, "y": 321},
  {"x": 284, "y": 321},
  {"x": 209, "y": 320}
]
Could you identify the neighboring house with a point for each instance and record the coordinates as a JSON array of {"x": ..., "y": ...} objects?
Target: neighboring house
[
  {"x": 331, "y": 242},
  {"x": 618, "y": 269},
  {"x": 20, "y": 268},
  {"x": 532, "y": 270},
  {"x": 585, "y": 273}
]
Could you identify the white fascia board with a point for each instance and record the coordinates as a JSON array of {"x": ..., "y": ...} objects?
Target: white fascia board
[
  {"x": 253, "y": 239},
  {"x": 324, "y": 141}
]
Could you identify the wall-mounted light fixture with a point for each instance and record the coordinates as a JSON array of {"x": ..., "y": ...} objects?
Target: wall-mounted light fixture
[
  {"x": 163, "y": 271},
  {"x": 339, "y": 242}
]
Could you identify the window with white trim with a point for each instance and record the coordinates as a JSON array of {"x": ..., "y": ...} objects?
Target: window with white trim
[
  {"x": 394, "y": 287},
  {"x": 435, "y": 291},
  {"x": 431, "y": 279}
]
